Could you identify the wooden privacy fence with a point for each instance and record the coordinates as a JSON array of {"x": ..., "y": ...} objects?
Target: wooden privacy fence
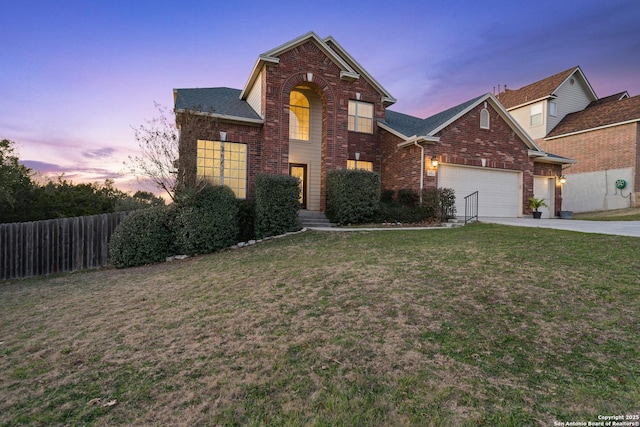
[{"x": 56, "y": 245}]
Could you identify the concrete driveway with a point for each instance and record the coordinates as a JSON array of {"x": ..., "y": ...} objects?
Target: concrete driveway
[{"x": 620, "y": 228}]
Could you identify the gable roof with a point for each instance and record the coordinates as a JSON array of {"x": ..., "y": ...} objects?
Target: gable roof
[
  {"x": 607, "y": 114},
  {"x": 542, "y": 89},
  {"x": 615, "y": 97},
  {"x": 414, "y": 130},
  {"x": 350, "y": 69},
  {"x": 407, "y": 126},
  {"x": 221, "y": 102}
]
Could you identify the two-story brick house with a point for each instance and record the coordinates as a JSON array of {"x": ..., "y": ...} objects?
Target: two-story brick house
[
  {"x": 562, "y": 114},
  {"x": 309, "y": 107}
]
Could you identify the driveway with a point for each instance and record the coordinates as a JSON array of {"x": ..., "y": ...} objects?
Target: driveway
[{"x": 620, "y": 228}]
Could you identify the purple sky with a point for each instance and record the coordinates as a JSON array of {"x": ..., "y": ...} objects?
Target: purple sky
[{"x": 76, "y": 76}]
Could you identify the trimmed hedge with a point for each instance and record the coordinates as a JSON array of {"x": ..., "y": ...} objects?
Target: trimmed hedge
[
  {"x": 210, "y": 223},
  {"x": 437, "y": 205},
  {"x": 145, "y": 236},
  {"x": 276, "y": 202},
  {"x": 353, "y": 196}
]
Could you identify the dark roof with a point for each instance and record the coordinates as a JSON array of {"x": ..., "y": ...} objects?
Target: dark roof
[
  {"x": 540, "y": 89},
  {"x": 606, "y": 114},
  {"x": 223, "y": 101},
  {"x": 410, "y": 126},
  {"x": 615, "y": 97}
]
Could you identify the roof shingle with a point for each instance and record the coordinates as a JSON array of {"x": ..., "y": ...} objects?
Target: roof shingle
[
  {"x": 540, "y": 89},
  {"x": 410, "y": 126},
  {"x": 606, "y": 114},
  {"x": 217, "y": 100}
]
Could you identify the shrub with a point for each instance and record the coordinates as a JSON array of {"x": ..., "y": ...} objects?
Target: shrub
[
  {"x": 276, "y": 201},
  {"x": 441, "y": 203},
  {"x": 407, "y": 197},
  {"x": 392, "y": 212},
  {"x": 145, "y": 236},
  {"x": 447, "y": 199},
  {"x": 353, "y": 196},
  {"x": 386, "y": 196},
  {"x": 208, "y": 224},
  {"x": 437, "y": 205},
  {"x": 431, "y": 202}
]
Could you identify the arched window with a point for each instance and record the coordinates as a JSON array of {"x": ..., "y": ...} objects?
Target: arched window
[
  {"x": 484, "y": 118},
  {"x": 298, "y": 116}
]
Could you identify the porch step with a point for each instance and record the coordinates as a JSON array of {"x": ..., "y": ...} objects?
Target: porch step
[{"x": 312, "y": 219}]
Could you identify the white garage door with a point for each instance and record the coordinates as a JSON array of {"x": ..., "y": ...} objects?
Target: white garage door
[{"x": 498, "y": 190}]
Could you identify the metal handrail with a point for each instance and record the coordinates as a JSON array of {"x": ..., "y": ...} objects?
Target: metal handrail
[{"x": 471, "y": 207}]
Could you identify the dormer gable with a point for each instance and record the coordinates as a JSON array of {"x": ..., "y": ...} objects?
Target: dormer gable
[{"x": 544, "y": 89}]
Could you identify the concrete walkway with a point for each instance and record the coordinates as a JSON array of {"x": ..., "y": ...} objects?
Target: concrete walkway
[{"x": 620, "y": 228}]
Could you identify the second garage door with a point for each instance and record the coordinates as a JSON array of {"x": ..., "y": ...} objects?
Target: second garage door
[{"x": 498, "y": 190}]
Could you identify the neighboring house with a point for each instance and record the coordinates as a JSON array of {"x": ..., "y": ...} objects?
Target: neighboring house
[
  {"x": 563, "y": 115},
  {"x": 309, "y": 107}
]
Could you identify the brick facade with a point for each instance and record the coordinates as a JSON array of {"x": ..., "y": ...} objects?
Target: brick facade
[
  {"x": 604, "y": 149},
  {"x": 307, "y": 65},
  {"x": 608, "y": 148},
  {"x": 195, "y": 127},
  {"x": 464, "y": 143}
]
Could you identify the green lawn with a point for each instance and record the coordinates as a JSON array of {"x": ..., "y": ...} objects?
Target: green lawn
[
  {"x": 629, "y": 214},
  {"x": 482, "y": 325}
]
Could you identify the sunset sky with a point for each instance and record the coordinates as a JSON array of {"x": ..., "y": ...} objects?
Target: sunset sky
[{"x": 76, "y": 76}]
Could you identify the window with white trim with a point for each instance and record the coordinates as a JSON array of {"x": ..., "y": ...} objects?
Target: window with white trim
[
  {"x": 360, "y": 165},
  {"x": 553, "y": 109},
  {"x": 299, "y": 116},
  {"x": 535, "y": 117},
  {"x": 484, "y": 118},
  {"x": 223, "y": 163},
  {"x": 360, "y": 116}
]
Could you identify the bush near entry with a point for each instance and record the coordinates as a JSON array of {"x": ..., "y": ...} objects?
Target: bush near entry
[
  {"x": 276, "y": 203},
  {"x": 353, "y": 196}
]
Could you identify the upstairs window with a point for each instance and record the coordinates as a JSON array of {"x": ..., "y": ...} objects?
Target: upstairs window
[
  {"x": 360, "y": 116},
  {"x": 223, "y": 163},
  {"x": 553, "y": 108},
  {"x": 484, "y": 118},
  {"x": 299, "y": 117},
  {"x": 535, "y": 117},
  {"x": 360, "y": 165}
]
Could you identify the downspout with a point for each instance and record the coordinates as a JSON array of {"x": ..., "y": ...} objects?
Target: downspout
[{"x": 421, "y": 168}]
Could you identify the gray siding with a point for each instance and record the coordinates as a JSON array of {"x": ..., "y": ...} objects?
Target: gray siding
[{"x": 571, "y": 98}]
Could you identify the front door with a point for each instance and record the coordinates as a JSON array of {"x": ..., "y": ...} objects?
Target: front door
[{"x": 300, "y": 171}]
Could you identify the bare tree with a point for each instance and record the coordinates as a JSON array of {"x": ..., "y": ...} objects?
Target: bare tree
[{"x": 158, "y": 141}]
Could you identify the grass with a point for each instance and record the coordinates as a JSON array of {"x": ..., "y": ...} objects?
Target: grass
[
  {"x": 629, "y": 214},
  {"x": 483, "y": 325}
]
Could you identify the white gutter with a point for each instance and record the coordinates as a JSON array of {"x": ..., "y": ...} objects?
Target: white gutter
[
  {"x": 421, "y": 168},
  {"x": 592, "y": 129}
]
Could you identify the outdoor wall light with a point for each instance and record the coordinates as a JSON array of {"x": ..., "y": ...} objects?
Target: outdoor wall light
[
  {"x": 563, "y": 179},
  {"x": 434, "y": 161}
]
